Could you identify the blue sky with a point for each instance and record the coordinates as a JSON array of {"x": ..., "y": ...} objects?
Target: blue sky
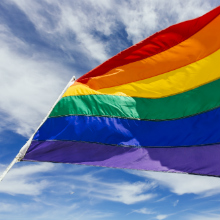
[{"x": 43, "y": 44}]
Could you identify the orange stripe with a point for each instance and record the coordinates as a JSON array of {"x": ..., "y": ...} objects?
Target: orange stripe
[
  {"x": 156, "y": 43},
  {"x": 200, "y": 45}
]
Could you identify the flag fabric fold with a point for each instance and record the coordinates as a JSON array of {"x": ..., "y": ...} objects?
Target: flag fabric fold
[{"x": 154, "y": 106}]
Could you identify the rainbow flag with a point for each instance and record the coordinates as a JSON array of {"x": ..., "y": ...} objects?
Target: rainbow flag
[{"x": 154, "y": 106}]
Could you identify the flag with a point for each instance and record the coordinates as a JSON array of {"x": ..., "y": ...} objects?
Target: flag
[{"x": 154, "y": 106}]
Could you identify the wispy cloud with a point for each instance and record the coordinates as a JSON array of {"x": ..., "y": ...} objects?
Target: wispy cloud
[
  {"x": 72, "y": 213},
  {"x": 163, "y": 198},
  {"x": 123, "y": 192},
  {"x": 143, "y": 18},
  {"x": 204, "y": 217},
  {"x": 144, "y": 211},
  {"x": 183, "y": 183},
  {"x": 21, "y": 180},
  {"x": 85, "y": 21},
  {"x": 6, "y": 207},
  {"x": 70, "y": 25},
  {"x": 25, "y": 180},
  {"x": 175, "y": 203},
  {"x": 161, "y": 217},
  {"x": 29, "y": 82},
  {"x": 38, "y": 210},
  {"x": 28, "y": 180}
]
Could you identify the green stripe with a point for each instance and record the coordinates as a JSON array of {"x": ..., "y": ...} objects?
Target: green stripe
[{"x": 189, "y": 103}]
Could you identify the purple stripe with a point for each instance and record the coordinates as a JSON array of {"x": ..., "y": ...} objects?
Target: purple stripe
[{"x": 197, "y": 160}]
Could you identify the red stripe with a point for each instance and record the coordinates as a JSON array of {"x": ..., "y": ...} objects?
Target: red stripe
[{"x": 155, "y": 44}]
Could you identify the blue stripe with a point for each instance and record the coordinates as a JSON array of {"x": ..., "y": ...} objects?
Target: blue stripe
[{"x": 196, "y": 130}]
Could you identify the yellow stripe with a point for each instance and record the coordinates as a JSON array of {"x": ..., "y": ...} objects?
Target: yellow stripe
[
  {"x": 174, "y": 82},
  {"x": 167, "y": 84},
  {"x": 81, "y": 89}
]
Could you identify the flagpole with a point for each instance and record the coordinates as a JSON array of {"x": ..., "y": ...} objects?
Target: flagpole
[{"x": 24, "y": 149}]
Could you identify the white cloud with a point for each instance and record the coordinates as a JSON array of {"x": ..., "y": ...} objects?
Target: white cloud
[
  {"x": 163, "y": 198},
  {"x": 72, "y": 212},
  {"x": 190, "y": 9},
  {"x": 26, "y": 180},
  {"x": 6, "y": 207},
  {"x": 80, "y": 25},
  {"x": 139, "y": 18},
  {"x": 204, "y": 217},
  {"x": 143, "y": 18},
  {"x": 161, "y": 217},
  {"x": 40, "y": 210},
  {"x": 183, "y": 183},
  {"x": 21, "y": 180},
  {"x": 60, "y": 22},
  {"x": 124, "y": 192},
  {"x": 150, "y": 212},
  {"x": 175, "y": 203},
  {"x": 93, "y": 215},
  {"x": 144, "y": 211},
  {"x": 56, "y": 21},
  {"x": 29, "y": 84}
]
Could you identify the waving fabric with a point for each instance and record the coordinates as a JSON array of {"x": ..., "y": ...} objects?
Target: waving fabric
[{"x": 154, "y": 106}]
